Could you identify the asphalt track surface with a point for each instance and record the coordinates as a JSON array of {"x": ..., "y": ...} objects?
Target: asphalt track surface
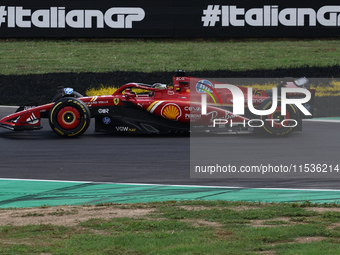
[{"x": 159, "y": 159}]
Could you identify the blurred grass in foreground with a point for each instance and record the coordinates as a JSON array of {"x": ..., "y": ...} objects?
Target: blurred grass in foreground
[{"x": 37, "y": 56}]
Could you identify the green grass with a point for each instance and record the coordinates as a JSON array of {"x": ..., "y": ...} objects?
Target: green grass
[
  {"x": 47, "y": 56},
  {"x": 224, "y": 228}
]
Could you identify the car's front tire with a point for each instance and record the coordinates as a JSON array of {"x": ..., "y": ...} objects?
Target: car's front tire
[{"x": 69, "y": 117}]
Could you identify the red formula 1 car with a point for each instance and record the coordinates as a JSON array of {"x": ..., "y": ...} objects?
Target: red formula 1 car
[{"x": 160, "y": 109}]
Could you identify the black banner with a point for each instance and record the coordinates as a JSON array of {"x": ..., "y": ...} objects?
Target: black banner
[{"x": 134, "y": 18}]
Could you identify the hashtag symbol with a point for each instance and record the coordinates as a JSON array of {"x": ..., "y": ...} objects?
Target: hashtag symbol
[
  {"x": 211, "y": 15},
  {"x": 3, "y": 14}
]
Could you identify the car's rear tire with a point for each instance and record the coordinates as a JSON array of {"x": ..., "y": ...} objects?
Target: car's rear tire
[
  {"x": 69, "y": 117},
  {"x": 279, "y": 128}
]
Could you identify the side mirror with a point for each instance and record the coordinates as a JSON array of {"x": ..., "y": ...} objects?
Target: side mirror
[{"x": 128, "y": 94}]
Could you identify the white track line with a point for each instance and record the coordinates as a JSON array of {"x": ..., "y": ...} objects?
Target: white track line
[
  {"x": 40, "y": 180},
  {"x": 166, "y": 185},
  {"x": 316, "y": 120},
  {"x": 8, "y": 106}
]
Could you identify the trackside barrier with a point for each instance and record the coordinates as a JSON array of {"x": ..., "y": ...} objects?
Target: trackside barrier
[{"x": 151, "y": 18}]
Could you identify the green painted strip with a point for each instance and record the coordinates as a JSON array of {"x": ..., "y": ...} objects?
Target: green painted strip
[{"x": 29, "y": 193}]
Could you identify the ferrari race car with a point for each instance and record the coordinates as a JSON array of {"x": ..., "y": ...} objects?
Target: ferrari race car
[{"x": 188, "y": 105}]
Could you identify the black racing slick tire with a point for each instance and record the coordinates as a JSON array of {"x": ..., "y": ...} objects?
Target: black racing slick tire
[
  {"x": 276, "y": 124},
  {"x": 69, "y": 117}
]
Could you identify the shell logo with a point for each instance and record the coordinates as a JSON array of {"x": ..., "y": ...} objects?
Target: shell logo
[{"x": 171, "y": 111}]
